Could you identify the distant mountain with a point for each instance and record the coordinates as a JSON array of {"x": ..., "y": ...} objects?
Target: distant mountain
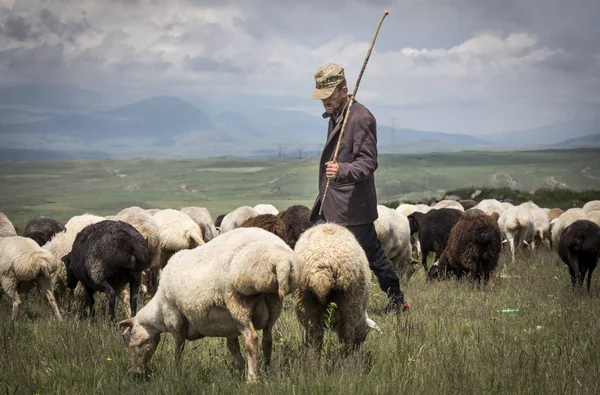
[
  {"x": 399, "y": 137},
  {"x": 30, "y": 155},
  {"x": 545, "y": 135},
  {"x": 57, "y": 97},
  {"x": 589, "y": 141}
]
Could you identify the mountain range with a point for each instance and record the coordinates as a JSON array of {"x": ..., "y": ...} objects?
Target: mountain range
[{"x": 74, "y": 122}]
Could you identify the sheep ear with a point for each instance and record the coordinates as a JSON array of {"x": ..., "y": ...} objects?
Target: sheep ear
[{"x": 128, "y": 323}]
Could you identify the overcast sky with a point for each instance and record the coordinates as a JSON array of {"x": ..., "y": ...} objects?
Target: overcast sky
[{"x": 465, "y": 66}]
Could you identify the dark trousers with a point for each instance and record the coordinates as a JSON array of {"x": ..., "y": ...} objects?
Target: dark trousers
[{"x": 378, "y": 261}]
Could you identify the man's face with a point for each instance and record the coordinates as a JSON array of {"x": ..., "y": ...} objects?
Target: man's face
[{"x": 334, "y": 103}]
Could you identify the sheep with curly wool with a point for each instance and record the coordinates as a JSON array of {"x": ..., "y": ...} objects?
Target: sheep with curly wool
[
  {"x": 42, "y": 229},
  {"x": 334, "y": 274},
  {"x": 517, "y": 225},
  {"x": 266, "y": 209},
  {"x": 237, "y": 217},
  {"x": 468, "y": 204},
  {"x": 393, "y": 232},
  {"x": 579, "y": 249},
  {"x": 567, "y": 218},
  {"x": 6, "y": 227},
  {"x": 78, "y": 222},
  {"x": 177, "y": 231},
  {"x": 296, "y": 219},
  {"x": 202, "y": 217},
  {"x": 23, "y": 264},
  {"x": 490, "y": 206},
  {"x": 269, "y": 222},
  {"x": 232, "y": 286},
  {"x": 473, "y": 248}
]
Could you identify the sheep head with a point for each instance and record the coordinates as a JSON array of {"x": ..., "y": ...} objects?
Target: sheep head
[{"x": 141, "y": 342}]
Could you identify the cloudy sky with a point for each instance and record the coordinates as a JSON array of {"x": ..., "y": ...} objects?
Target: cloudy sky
[{"x": 463, "y": 66}]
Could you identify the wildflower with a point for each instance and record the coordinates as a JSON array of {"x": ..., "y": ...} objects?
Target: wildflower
[
  {"x": 109, "y": 359},
  {"x": 281, "y": 340}
]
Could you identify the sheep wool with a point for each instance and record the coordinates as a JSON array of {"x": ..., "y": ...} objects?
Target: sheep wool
[
  {"x": 237, "y": 217},
  {"x": 393, "y": 232},
  {"x": 566, "y": 219},
  {"x": 269, "y": 222},
  {"x": 6, "y": 227},
  {"x": 296, "y": 219},
  {"x": 517, "y": 224},
  {"x": 266, "y": 209},
  {"x": 579, "y": 249},
  {"x": 201, "y": 216}
]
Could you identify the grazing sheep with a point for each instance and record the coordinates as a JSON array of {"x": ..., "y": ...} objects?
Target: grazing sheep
[
  {"x": 296, "y": 219},
  {"x": 554, "y": 213},
  {"x": 106, "y": 256},
  {"x": 23, "y": 264},
  {"x": 507, "y": 205},
  {"x": 201, "y": 216},
  {"x": 219, "y": 220},
  {"x": 434, "y": 229},
  {"x": 393, "y": 232},
  {"x": 78, "y": 222},
  {"x": 229, "y": 287},
  {"x": 153, "y": 211},
  {"x": 566, "y": 219},
  {"x": 177, "y": 231},
  {"x": 592, "y": 205},
  {"x": 406, "y": 209},
  {"x": 42, "y": 229},
  {"x": 594, "y": 216},
  {"x": 468, "y": 204},
  {"x": 266, "y": 209},
  {"x": 516, "y": 224},
  {"x": 473, "y": 248},
  {"x": 6, "y": 227},
  {"x": 237, "y": 217},
  {"x": 269, "y": 222},
  {"x": 490, "y": 206},
  {"x": 541, "y": 224},
  {"x": 449, "y": 204},
  {"x": 333, "y": 269},
  {"x": 579, "y": 249},
  {"x": 422, "y": 208}
]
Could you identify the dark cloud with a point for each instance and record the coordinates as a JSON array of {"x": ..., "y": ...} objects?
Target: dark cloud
[
  {"x": 66, "y": 31},
  {"x": 41, "y": 64},
  {"x": 204, "y": 64},
  {"x": 17, "y": 28}
]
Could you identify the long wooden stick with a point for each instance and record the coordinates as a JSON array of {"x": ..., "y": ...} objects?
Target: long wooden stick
[{"x": 362, "y": 70}]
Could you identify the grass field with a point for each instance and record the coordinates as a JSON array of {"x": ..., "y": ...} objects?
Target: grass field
[
  {"x": 62, "y": 189},
  {"x": 456, "y": 340}
]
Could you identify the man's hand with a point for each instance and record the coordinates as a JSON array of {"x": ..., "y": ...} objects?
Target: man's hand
[{"x": 332, "y": 170}]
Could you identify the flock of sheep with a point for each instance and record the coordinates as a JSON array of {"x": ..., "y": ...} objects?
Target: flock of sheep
[{"x": 229, "y": 277}]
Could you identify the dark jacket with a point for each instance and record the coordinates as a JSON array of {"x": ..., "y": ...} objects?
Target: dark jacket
[{"x": 351, "y": 198}]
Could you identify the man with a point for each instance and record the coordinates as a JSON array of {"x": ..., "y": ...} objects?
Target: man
[{"x": 351, "y": 198}]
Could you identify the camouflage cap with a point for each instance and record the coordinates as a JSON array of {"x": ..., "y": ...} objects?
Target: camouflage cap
[{"x": 327, "y": 77}]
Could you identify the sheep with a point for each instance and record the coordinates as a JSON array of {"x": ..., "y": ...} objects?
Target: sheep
[
  {"x": 266, "y": 209},
  {"x": 468, "y": 204},
  {"x": 77, "y": 223},
  {"x": 406, "y": 209},
  {"x": 333, "y": 270},
  {"x": 42, "y": 229},
  {"x": 177, "y": 231},
  {"x": 296, "y": 219},
  {"x": 566, "y": 219},
  {"x": 579, "y": 249},
  {"x": 6, "y": 227},
  {"x": 473, "y": 248},
  {"x": 541, "y": 224},
  {"x": 238, "y": 216},
  {"x": 490, "y": 206},
  {"x": 393, "y": 232},
  {"x": 219, "y": 220},
  {"x": 594, "y": 216},
  {"x": 232, "y": 286},
  {"x": 449, "y": 204},
  {"x": 507, "y": 205},
  {"x": 422, "y": 208},
  {"x": 554, "y": 213},
  {"x": 202, "y": 217},
  {"x": 517, "y": 225},
  {"x": 269, "y": 222},
  {"x": 23, "y": 264},
  {"x": 592, "y": 205},
  {"x": 153, "y": 211},
  {"x": 106, "y": 256},
  {"x": 434, "y": 229}
]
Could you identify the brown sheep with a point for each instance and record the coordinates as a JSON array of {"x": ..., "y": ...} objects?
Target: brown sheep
[
  {"x": 468, "y": 204},
  {"x": 554, "y": 213},
  {"x": 296, "y": 219},
  {"x": 473, "y": 248},
  {"x": 268, "y": 222}
]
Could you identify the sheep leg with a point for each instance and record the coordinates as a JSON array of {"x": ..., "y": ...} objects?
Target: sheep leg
[
  {"x": 112, "y": 298},
  {"x": 251, "y": 344},
  {"x": 125, "y": 296},
  {"x": 45, "y": 285},
  {"x": 88, "y": 302},
  {"x": 511, "y": 242},
  {"x": 575, "y": 275},
  {"x": 9, "y": 284},
  {"x": 274, "y": 307},
  {"x": 135, "y": 280},
  {"x": 589, "y": 279},
  {"x": 233, "y": 345},
  {"x": 179, "y": 345},
  {"x": 424, "y": 259}
]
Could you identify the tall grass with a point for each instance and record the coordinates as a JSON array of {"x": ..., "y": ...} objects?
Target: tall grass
[{"x": 456, "y": 340}]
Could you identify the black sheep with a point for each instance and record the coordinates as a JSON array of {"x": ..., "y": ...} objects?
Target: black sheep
[
  {"x": 105, "y": 257},
  {"x": 434, "y": 230},
  {"x": 296, "y": 219},
  {"x": 219, "y": 220},
  {"x": 579, "y": 249},
  {"x": 41, "y": 229}
]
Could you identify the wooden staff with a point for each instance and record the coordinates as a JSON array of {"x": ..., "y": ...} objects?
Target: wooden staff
[{"x": 362, "y": 70}]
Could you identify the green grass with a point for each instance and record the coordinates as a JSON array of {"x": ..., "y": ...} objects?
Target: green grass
[
  {"x": 456, "y": 340},
  {"x": 62, "y": 189}
]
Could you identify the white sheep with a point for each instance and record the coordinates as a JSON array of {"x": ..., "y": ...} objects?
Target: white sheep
[
  {"x": 333, "y": 270},
  {"x": 406, "y": 209},
  {"x": 594, "y": 216},
  {"x": 177, "y": 231},
  {"x": 541, "y": 223},
  {"x": 78, "y": 222},
  {"x": 592, "y": 205},
  {"x": 237, "y": 217},
  {"x": 229, "y": 287},
  {"x": 422, "y": 208},
  {"x": 266, "y": 209},
  {"x": 23, "y": 264},
  {"x": 201, "y": 216},
  {"x": 449, "y": 204},
  {"x": 567, "y": 218},
  {"x": 393, "y": 232},
  {"x": 6, "y": 227},
  {"x": 490, "y": 206},
  {"x": 516, "y": 224}
]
